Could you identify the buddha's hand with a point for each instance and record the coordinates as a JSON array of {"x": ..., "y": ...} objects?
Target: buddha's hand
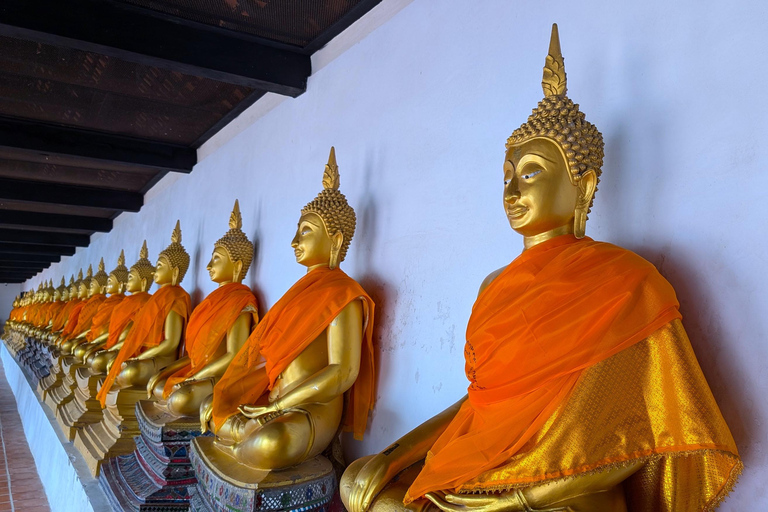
[
  {"x": 152, "y": 383},
  {"x": 503, "y": 502},
  {"x": 369, "y": 482},
  {"x": 206, "y": 414},
  {"x": 261, "y": 413}
]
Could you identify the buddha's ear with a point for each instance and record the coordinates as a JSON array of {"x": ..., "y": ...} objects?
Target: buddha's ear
[
  {"x": 587, "y": 186},
  {"x": 175, "y": 276},
  {"x": 238, "y": 269},
  {"x": 337, "y": 240}
]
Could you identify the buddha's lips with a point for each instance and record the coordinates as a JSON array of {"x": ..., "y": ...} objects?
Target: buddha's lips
[{"x": 516, "y": 212}]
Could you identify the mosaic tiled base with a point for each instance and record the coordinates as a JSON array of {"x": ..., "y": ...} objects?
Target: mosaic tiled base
[
  {"x": 311, "y": 486},
  {"x": 157, "y": 475}
]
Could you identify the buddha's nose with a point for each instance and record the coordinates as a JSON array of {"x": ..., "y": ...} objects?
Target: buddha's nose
[{"x": 511, "y": 191}]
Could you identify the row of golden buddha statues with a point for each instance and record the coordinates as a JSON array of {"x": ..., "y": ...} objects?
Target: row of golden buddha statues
[{"x": 584, "y": 392}]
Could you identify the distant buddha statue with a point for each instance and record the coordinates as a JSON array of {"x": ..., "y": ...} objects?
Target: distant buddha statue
[
  {"x": 281, "y": 400},
  {"x": 99, "y": 332},
  {"x": 96, "y": 297},
  {"x": 79, "y": 295},
  {"x": 217, "y": 328},
  {"x": 138, "y": 282},
  {"x": 153, "y": 341},
  {"x": 584, "y": 392}
]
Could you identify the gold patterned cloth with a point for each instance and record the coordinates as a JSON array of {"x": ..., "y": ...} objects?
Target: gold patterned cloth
[{"x": 649, "y": 402}]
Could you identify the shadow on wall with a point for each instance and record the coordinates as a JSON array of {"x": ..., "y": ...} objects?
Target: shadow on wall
[
  {"x": 197, "y": 262},
  {"x": 704, "y": 324}
]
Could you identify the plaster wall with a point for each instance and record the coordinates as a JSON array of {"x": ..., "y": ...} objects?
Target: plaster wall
[
  {"x": 8, "y": 292},
  {"x": 419, "y": 111}
]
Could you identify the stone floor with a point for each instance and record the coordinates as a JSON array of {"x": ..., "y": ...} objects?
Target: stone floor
[{"x": 20, "y": 487}]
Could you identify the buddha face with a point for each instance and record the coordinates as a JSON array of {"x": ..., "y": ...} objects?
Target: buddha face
[
  {"x": 82, "y": 291},
  {"x": 134, "y": 283},
  {"x": 221, "y": 268},
  {"x": 94, "y": 288},
  {"x": 312, "y": 244},
  {"x": 56, "y": 295},
  {"x": 164, "y": 271},
  {"x": 113, "y": 285},
  {"x": 538, "y": 193}
]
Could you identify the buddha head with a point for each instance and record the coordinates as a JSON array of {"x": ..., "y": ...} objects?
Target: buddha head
[
  {"x": 98, "y": 283},
  {"x": 48, "y": 291},
  {"x": 553, "y": 161},
  {"x": 140, "y": 277},
  {"x": 84, "y": 287},
  {"x": 78, "y": 286},
  {"x": 72, "y": 288},
  {"x": 173, "y": 261},
  {"x": 326, "y": 225},
  {"x": 60, "y": 293},
  {"x": 118, "y": 277},
  {"x": 232, "y": 253}
]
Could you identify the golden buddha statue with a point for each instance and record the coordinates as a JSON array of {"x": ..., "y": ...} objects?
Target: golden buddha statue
[
  {"x": 96, "y": 295},
  {"x": 281, "y": 400},
  {"x": 584, "y": 394},
  {"x": 217, "y": 328},
  {"x": 137, "y": 283}
]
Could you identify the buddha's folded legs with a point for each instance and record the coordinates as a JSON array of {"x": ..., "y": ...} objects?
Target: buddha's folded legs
[
  {"x": 186, "y": 400},
  {"x": 390, "y": 499}
]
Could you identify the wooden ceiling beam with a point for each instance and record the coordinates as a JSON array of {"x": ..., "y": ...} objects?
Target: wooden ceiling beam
[
  {"x": 151, "y": 38},
  {"x": 19, "y": 248},
  {"x": 70, "y": 195},
  {"x": 36, "y": 139},
  {"x": 43, "y": 237},
  {"x": 48, "y": 220},
  {"x": 43, "y": 259}
]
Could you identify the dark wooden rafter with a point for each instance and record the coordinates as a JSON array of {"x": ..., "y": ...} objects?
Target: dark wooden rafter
[
  {"x": 42, "y": 139},
  {"x": 110, "y": 28},
  {"x": 23, "y": 264},
  {"x": 74, "y": 195},
  {"x": 43, "y": 259},
  {"x": 34, "y": 219},
  {"x": 43, "y": 237},
  {"x": 19, "y": 248}
]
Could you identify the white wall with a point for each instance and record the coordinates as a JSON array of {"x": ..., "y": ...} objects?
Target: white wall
[
  {"x": 8, "y": 292},
  {"x": 419, "y": 111}
]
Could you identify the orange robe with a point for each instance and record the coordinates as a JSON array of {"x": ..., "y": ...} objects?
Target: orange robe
[
  {"x": 54, "y": 310},
  {"x": 72, "y": 319},
  {"x": 560, "y": 308},
  {"x": 85, "y": 319},
  {"x": 549, "y": 319},
  {"x": 123, "y": 315},
  {"x": 147, "y": 330},
  {"x": 290, "y": 326},
  {"x": 100, "y": 322},
  {"x": 60, "y": 320},
  {"x": 208, "y": 326}
]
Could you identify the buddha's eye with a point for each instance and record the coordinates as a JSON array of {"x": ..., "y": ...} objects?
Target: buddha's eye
[
  {"x": 305, "y": 231},
  {"x": 530, "y": 174}
]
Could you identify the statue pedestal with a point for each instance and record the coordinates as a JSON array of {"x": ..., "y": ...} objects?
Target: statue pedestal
[
  {"x": 224, "y": 485},
  {"x": 54, "y": 377},
  {"x": 114, "y": 434},
  {"x": 84, "y": 409},
  {"x": 59, "y": 395},
  {"x": 156, "y": 476}
]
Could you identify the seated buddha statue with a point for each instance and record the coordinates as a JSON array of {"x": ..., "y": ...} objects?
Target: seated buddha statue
[
  {"x": 281, "y": 400},
  {"x": 138, "y": 282},
  {"x": 217, "y": 328},
  {"x": 584, "y": 392},
  {"x": 78, "y": 293},
  {"x": 98, "y": 333},
  {"x": 153, "y": 341},
  {"x": 96, "y": 297}
]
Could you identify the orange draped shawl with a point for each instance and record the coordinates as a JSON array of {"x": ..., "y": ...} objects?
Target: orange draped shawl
[
  {"x": 54, "y": 310},
  {"x": 560, "y": 307},
  {"x": 100, "y": 321},
  {"x": 85, "y": 320},
  {"x": 123, "y": 314},
  {"x": 60, "y": 320},
  {"x": 208, "y": 326},
  {"x": 290, "y": 326},
  {"x": 147, "y": 330},
  {"x": 72, "y": 319}
]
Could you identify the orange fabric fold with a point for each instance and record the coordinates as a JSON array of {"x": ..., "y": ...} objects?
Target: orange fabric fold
[
  {"x": 100, "y": 322},
  {"x": 54, "y": 310},
  {"x": 560, "y": 307},
  {"x": 290, "y": 326},
  {"x": 208, "y": 326},
  {"x": 62, "y": 316},
  {"x": 85, "y": 320},
  {"x": 72, "y": 319},
  {"x": 123, "y": 314},
  {"x": 147, "y": 330}
]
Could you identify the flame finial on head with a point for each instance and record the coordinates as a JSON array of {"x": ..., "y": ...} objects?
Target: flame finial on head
[
  {"x": 554, "y": 80},
  {"x": 331, "y": 172},
  {"x": 144, "y": 267},
  {"x": 175, "y": 253},
  {"x": 120, "y": 272}
]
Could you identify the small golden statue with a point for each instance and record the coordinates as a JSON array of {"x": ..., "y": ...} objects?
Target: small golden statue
[
  {"x": 217, "y": 329},
  {"x": 584, "y": 391},
  {"x": 281, "y": 400}
]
